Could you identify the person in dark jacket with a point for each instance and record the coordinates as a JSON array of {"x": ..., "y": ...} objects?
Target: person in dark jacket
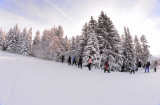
[
  {"x": 147, "y": 66},
  {"x": 139, "y": 65},
  {"x": 69, "y": 60},
  {"x": 74, "y": 61},
  {"x": 155, "y": 65},
  {"x": 122, "y": 68},
  {"x": 106, "y": 67},
  {"x": 80, "y": 62},
  {"x": 62, "y": 58}
]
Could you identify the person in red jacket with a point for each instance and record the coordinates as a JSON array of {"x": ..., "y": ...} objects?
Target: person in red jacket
[{"x": 106, "y": 67}]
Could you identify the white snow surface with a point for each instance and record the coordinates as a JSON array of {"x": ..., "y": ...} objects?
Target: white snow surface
[{"x": 31, "y": 81}]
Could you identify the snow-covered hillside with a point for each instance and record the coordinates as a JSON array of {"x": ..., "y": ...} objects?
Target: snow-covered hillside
[{"x": 31, "y": 81}]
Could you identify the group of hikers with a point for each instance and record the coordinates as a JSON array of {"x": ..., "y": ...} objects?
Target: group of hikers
[
  {"x": 133, "y": 68},
  {"x": 140, "y": 67},
  {"x": 80, "y": 61},
  {"x": 74, "y": 60}
]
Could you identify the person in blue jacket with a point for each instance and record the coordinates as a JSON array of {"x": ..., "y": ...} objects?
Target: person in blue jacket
[
  {"x": 133, "y": 68},
  {"x": 74, "y": 61},
  {"x": 147, "y": 66}
]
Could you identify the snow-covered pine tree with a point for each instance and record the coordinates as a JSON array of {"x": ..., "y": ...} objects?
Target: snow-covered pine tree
[
  {"x": 36, "y": 46},
  {"x": 12, "y": 39},
  {"x": 17, "y": 34},
  {"x": 77, "y": 40},
  {"x": 129, "y": 52},
  {"x": 138, "y": 49},
  {"x": 29, "y": 42},
  {"x": 55, "y": 43},
  {"x": 24, "y": 42},
  {"x": 83, "y": 38},
  {"x": 73, "y": 44},
  {"x": 66, "y": 44},
  {"x": 102, "y": 32},
  {"x": 21, "y": 45},
  {"x": 92, "y": 25},
  {"x": 44, "y": 44},
  {"x": 92, "y": 50},
  {"x": 59, "y": 31},
  {"x": 123, "y": 38},
  {"x": 85, "y": 32},
  {"x": 59, "y": 34},
  {"x": 55, "y": 48},
  {"x": 2, "y": 39},
  {"x": 69, "y": 43},
  {"x": 145, "y": 50},
  {"x": 110, "y": 43}
]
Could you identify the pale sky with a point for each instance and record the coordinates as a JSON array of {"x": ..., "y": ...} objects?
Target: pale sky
[{"x": 141, "y": 16}]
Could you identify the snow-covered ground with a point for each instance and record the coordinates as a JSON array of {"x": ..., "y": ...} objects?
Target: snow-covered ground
[{"x": 31, "y": 81}]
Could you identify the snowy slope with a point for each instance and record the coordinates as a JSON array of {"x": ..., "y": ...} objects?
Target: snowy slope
[{"x": 31, "y": 81}]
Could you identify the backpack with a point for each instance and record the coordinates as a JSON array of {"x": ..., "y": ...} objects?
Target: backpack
[{"x": 106, "y": 65}]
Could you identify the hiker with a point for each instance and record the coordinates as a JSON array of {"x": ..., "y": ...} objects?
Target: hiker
[
  {"x": 74, "y": 61},
  {"x": 147, "y": 66},
  {"x": 133, "y": 68},
  {"x": 69, "y": 60},
  {"x": 80, "y": 62},
  {"x": 122, "y": 68},
  {"x": 62, "y": 58},
  {"x": 155, "y": 66},
  {"x": 106, "y": 67},
  {"x": 139, "y": 65},
  {"x": 89, "y": 63}
]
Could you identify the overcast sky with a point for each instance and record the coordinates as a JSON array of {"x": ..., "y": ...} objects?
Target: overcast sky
[{"x": 141, "y": 16}]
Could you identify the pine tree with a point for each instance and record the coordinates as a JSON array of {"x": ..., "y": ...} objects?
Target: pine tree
[
  {"x": 110, "y": 43},
  {"x": 66, "y": 44},
  {"x": 44, "y": 44},
  {"x": 59, "y": 31},
  {"x": 22, "y": 44},
  {"x": 77, "y": 42},
  {"x": 138, "y": 49},
  {"x": 129, "y": 52},
  {"x": 92, "y": 25},
  {"x": 92, "y": 49},
  {"x": 73, "y": 44},
  {"x": 16, "y": 32},
  {"x": 83, "y": 38},
  {"x": 85, "y": 32},
  {"x": 29, "y": 41},
  {"x": 2, "y": 39},
  {"x": 12, "y": 40},
  {"x": 55, "y": 48},
  {"x": 145, "y": 50},
  {"x": 52, "y": 44},
  {"x": 103, "y": 27},
  {"x": 36, "y": 46},
  {"x": 60, "y": 39}
]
